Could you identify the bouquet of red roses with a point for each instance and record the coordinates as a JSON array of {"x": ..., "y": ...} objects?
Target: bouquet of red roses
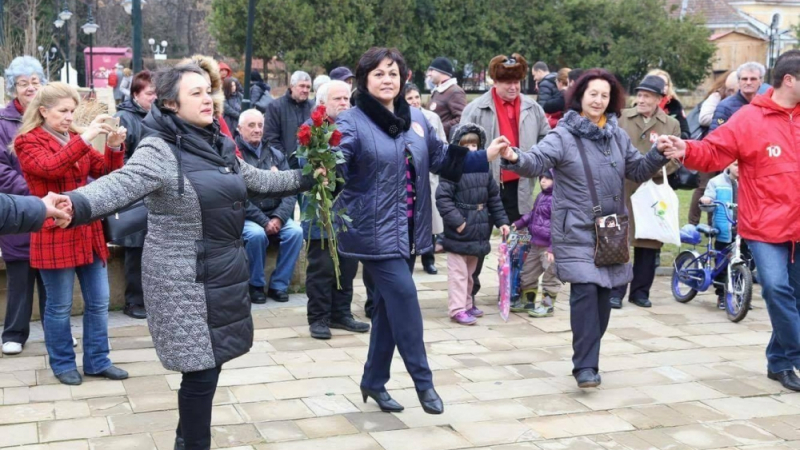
[{"x": 317, "y": 147}]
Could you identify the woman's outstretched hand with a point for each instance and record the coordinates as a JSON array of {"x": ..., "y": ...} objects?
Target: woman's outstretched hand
[
  {"x": 498, "y": 146},
  {"x": 321, "y": 172}
]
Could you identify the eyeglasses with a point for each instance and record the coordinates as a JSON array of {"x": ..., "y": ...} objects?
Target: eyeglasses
[
  {"x": 749, "y": 79},
  {"x": 25, "y": 84}
]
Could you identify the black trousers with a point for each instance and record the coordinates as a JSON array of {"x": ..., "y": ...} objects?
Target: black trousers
[
  {"x": 509, "y": 195},
  {"x": 133, "y": 276},
  {"x": 590, "y": 310},
  {"x": 644, "y": 273},
  {"x": 324, "y": 300},
  {"x": 195, "y": 398},
  {"x": 21, "y": 280},
  {"x": 396, "y": 322},
  {"x": 369, "y": 305}
]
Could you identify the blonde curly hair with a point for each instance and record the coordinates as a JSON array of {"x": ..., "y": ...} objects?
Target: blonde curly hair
[{"x": 211, "y": 67}]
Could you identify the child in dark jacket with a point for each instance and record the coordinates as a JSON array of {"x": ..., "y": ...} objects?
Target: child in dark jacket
[
  {"x": 469, "y": 209},
  {"x": 540, "y": 256}
]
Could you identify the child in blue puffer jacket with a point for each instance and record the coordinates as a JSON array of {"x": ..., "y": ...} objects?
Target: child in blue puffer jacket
[
  {"x": 540, "y": 257},
  {"x": 723, "y": 188}
]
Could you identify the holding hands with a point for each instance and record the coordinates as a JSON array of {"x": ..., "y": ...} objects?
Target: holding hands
[
  {"x": 501, "y": 146},
  {"x": 672, "y": 147},
  {"x": 59, "y": 207},
  {"x": 505, "y": 230}
]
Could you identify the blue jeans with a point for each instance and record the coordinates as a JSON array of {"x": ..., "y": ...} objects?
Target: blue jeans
[
  {"x": 290, "y": 240},
  {"x": 59, "y": 284},
  {"x": 780, "y": 287}
]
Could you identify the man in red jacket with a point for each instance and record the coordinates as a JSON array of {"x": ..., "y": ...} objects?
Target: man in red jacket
[{"x": 762, "y": 136}]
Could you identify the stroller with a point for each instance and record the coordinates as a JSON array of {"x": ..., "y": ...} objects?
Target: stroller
[{"x": 512, "y": 253}]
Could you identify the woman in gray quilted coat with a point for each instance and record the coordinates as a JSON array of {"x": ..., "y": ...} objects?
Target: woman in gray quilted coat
[
  {"x": 595, "y": 101},
  {"x": 194, "y": 272}
]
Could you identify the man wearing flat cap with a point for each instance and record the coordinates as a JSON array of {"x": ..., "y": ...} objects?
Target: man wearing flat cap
[
  {"x": 644, "y": 123},
  {"x": 447, "y": 99},
  {"x": 505, "y": 111}
]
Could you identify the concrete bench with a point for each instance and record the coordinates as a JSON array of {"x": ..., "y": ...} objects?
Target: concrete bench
[{"x": 116, "y": 281}]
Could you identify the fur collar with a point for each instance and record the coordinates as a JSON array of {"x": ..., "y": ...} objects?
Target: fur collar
[
  {"x": 583, "y": 127},
  {"x": 391, "y": 124}
]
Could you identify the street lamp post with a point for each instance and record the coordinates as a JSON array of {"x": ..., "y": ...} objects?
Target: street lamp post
[
  {"x": 134, "y": 9},
  {"x": 248, "y": 51},
  {"x": 47, "y": 56},
  {"x": 63, "y": 18},
  {"x": 159, "y": 50},
  {"x": 91, "y": 28}
]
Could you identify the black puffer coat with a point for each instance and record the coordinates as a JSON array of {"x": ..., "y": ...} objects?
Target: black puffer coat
[
  {"x": 131, "y": 116},
  {"x": 474, "y": 200}
]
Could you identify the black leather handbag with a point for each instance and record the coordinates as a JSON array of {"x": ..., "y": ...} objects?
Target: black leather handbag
[
  {"x": 128, "y": 226},
  {"x": 684, "y": 178}
]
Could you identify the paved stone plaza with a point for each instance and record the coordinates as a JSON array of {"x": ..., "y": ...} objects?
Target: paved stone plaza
[{"x": 674, "y": 377}]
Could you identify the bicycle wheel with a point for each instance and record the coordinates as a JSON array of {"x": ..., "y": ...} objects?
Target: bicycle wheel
[
  {"x": 737, "y": 302},
  {"x": 686, "y": 260}
]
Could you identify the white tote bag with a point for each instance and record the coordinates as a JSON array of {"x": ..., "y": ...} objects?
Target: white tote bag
[{"x": 655, "y": 210}]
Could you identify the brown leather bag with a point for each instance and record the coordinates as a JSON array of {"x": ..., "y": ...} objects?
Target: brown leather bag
[{"x": 611, "y": 243}]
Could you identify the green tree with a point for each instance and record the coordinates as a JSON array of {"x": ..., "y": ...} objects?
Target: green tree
[{"x": 627, "y": 37}]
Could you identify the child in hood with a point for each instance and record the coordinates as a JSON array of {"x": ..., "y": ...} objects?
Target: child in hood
[
  {"x": 540, "y": 257},
  {"x": 469, "y": 209}
]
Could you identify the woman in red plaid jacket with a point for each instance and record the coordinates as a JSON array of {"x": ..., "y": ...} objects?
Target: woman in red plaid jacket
[{"x": 54, "y": 158}]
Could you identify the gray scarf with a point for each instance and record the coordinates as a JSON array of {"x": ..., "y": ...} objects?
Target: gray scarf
[{"x": 62, "y": 138}]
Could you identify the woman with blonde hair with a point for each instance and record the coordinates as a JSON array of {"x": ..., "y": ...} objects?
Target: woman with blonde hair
[
  {"x": 670, "y": 103},
  {"x": 55, "y": 158}
]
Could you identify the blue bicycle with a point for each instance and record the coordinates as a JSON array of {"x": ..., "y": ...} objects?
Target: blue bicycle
[{"x": 693, "y": 272}]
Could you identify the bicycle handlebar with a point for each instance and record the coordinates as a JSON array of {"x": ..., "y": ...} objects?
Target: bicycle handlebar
[{"x": 726, "y": 207}]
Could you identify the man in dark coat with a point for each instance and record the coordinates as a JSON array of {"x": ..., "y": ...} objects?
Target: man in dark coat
[
  {"x": 548, "y": 88},
  {"x": 285, "y": 115},
  {"x": 329, "y": 305},
  {"x": 260, "y": 96},
  {"x": 448, "y": 100},
  {"x": 131, "y": 113},
  {"x": 268, "y": 219},
  {"x": 751, "y": 75}
]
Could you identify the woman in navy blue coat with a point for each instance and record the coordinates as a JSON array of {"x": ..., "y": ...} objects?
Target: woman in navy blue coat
[{"x": 389, "y": 150}]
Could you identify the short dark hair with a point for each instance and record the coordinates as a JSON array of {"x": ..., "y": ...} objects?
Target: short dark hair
[
  {"x": 541, "y": 65},
  {"x": 616, "y": 97},
  {"x": 372, "y": 58},
  {"x": 141, "y": 81},
  {"x": 168, "y": 82},
  {"x": 787, "y": 64},
  {"x": 410, "y": 87},
  {"x": 574, "y": 74}
]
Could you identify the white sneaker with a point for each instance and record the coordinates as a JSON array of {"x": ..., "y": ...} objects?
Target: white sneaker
[
  {"x": 74, "y": 342},
  {"x": 12, "y": 348}
]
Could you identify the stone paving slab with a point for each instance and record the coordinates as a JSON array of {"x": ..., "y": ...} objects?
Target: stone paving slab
[{"x": 675, "y": 377}]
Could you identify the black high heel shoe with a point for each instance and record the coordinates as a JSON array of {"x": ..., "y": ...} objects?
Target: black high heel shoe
[
  {"x": 430, "y": 401},
  {"x": 383, "y": 399}
]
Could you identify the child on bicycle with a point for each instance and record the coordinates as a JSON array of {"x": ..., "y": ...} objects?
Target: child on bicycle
[
  {"x": 540, "y": 257},
  {"x": 722, "y": 188},
  {"x": 469, "y": 209}
]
